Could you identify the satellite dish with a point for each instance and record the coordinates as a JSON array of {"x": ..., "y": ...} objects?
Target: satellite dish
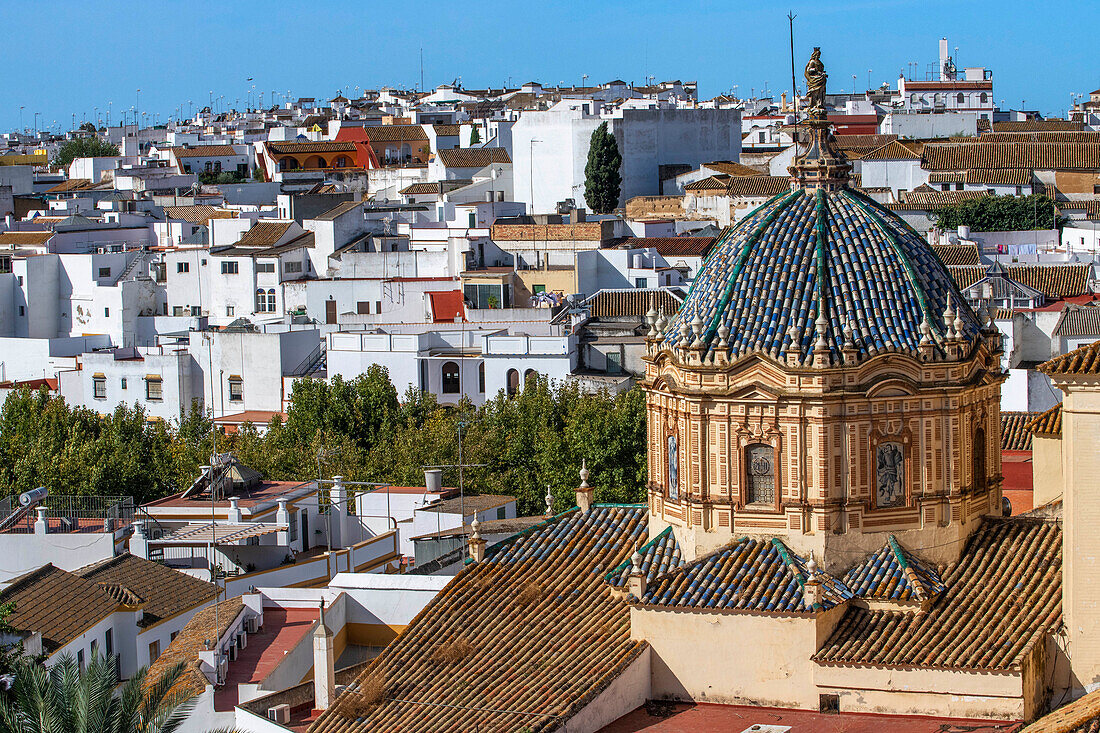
[{"x": 1006, "y": 507}]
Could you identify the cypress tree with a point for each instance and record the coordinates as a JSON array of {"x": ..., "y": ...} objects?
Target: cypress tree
[{"x": 602, "y": 183}]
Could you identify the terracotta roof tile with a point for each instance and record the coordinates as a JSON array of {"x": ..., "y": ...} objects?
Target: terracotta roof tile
[
  {"x": 517, "y": 642},
  {"x": 998, "y": 176},
  {"x": 1002, "y": 596},
  {"x": 199, "y": 214},
  {"x": 929, "y": 200},
  {"x": 1043, "y": 136},
  {"x": 673, "y": 246},
  {"x": 191, "y": 640},
  {"x": 731, "y": 168},
  {"x": 957, "y": 254},
  {"x": 1080, "y": 716},
  {"x": 164, "y": 591},
  {"x": 395, "y": 133},
  {"x": 892, "y": 150},
  {"x": 58, "y": 604},
  {"x": 633, "y": 302},
  {"x": 206, "y": 151},
  {"x": 1079, "y": 320},
  {"x": 1047, "y": 423},
  {"x": 324, "y": 146},
  {"x": 1037, "y": 125},
  {"x": 473, "y": 157},
  {"x": 946, "y": 177},
  {"x": 660, "y": 555},
  {"x": 24, "y": 238},
  {"x": 1015, "y": 434},
  {"x": 1043, "y": 156},
  {"x": 1083, "y": 360},
  {"x": 1053, "y": 281},
  {"x": 758, "y": 185},
  {"x": 263, "y": 234},
  {"x": 447, "y": 130},
  {"x": 73, "y": 184},
  {"x": 433, "y": 187}
]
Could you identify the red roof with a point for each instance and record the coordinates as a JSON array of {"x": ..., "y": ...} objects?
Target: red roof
[
  {"x": 351, "y": 133},
  {"x": 33, "y": 384},
  {"x": 446, "y": 305}
]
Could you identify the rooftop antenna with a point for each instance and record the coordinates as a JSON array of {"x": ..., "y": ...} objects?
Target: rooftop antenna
[
  {"x": 794, "y": 84},
  {"x": 421, "y": 69}
]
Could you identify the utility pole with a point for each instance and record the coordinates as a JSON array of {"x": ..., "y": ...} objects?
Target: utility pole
[{"x": 461, "y": 486}]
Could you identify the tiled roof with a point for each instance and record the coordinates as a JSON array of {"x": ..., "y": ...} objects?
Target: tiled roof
[
  {"x": 957, "y": 254},
  {"x": 1043, "y": 156},
  {"x": 1080, "y": 716},
  {"x": 1054, "y": 281},
  {"x": 1059, "y": 136},
  {"x": 263, "y": 234},
  {"x": 804, "y": 250},
  {"x": 1015, "y": 434},
  {"x": 894, "y": 574},
  {"x": 323, "y": 146},
  {"x": 58, "y": 604},
  {"x": 1036, "y": 125},
  {"x": 757, "y": 185},
  {"x": 520, "y": 641},
  {"x": 24, "y": 238},
  {"x": 673, "y": 246},
  {"x": 749, "y": 575},
  {"x": 73, "y": 184},
  {"x": 731, "y": 168},
  {"x": 998, "y": 176},
  {"x": 892, "y": 150},
  {"x": 447, "y": 305},
  {"x": 473, "y": 157},
  {"x": 447, "y": 130},
  {"x": 1079, "y": 320},
  {"x": 206, "y": 151},
  {"x": 421, "y": 189},
  {"x": 338, "y": 210},
  {"x": 164, "y": 591},
  {"x": 1091, "y": 207},
  {"x": 1082, "y": 360},
  {"x": 718, "y": 182},
  {"x": 1047, "y": 423},
  {"x": 1002, "y": 596},
  {"x": 395, "y": 133},
  {"x": 633, "y": 302},
  {"x": 199, "y": 214},
  {"x": 659, "y": 556},
  {"x": 946, "y": 177},
  {"x": 206, "y": 625},
  {"x": 929, "y": 200}
]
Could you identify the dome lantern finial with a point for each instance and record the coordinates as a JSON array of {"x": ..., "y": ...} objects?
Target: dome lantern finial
[{"x": 818, "y": 164}]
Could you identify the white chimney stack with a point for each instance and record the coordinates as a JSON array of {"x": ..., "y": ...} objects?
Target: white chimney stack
[{"x": 324, "y": 664}]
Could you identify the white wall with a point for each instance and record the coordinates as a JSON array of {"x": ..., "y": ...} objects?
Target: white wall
[{"x": 68, "y": 551}]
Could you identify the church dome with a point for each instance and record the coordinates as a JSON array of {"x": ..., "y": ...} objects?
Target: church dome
[{"x": 821, "y": 262}]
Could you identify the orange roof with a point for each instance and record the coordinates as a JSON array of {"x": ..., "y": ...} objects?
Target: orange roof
[
  {"x": 446, "y": 306},
  {"x": 1084, "y": 360}
]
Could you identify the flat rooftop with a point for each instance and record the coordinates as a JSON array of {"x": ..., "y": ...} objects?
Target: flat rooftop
[
  {"x": 663, "y": 717},
  {"x": 265, "y": 491}
]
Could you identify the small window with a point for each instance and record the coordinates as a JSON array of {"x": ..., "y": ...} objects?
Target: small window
[
  {"x": 177, "y": 310},
  {"x": 673, "y": 467},
  {"x": 80, "y": 659},
  {"x": 105, "y": 272},
  {"x": 889, "y": 475},
  {"x": 501, "y": 513},
  {"x": 641, "y": 282},
  {"x": 473, "y": 218},
  {"x": 231, "y": 267},
  {"x": 537, "y": 289},
  {"x": 154, "y": 651},
  {"x": 377, "y": 306},
  {"x": 270, "y": 300},
  {"x": 196, "y": 311},
  {"x": 451, "y": 381},
  {"x": 960, "y": 98},
  {"x": 261, "y": 300},
  {"x": 99, "y": 388},
  {"x": 106, "y": 312},
  {"x": 760, "y": 475},
  {"x": 481, "y": 377},
  {"x": 292, "y": 267},
  {"x": 983, "y": 97},
  {"x": 153, "y": 389},
  {"x": 122, "y": 383},
  {"x": 265, "y": 267},
  {"x": 512, "y": 382},
  {"x": 230, "y": 310},
  {"x": 109, "y": 643},
  {"x": 183, "y": 267},
  {"x": 363, "y": 307},
  {"x": 236, "y": 389},
  {"x": 978, "y": 455},
  {"x": 21, "y": 311},
  {"x": 614, "y": 362}
]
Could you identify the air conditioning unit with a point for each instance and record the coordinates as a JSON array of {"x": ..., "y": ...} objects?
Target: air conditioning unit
[
  {"x": 279, "y": 714},
  {"x": 252, "y": 624},
  {"x": 233, "y": 653}
]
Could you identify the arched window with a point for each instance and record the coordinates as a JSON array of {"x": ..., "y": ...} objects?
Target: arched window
[
  {"x": 889, "y": 475},
  {"x": 208, "y": 167},
  {"x": 217, "y": 166},
  {"x": 481, "y": 377},
  {"x": 760, "y": 474},
  {"x": 960, "y": 98},
  {"x": 513, "y": 382},
  {"x": 271, "y": 300},
  {"x": 984, "y": 97},
  {"x": 528, "y": 374},
  {"x": 340, "y": 162},
  {"x": 261, "y": 302},
  {"x": 673, "y": 467},
  {"x": 450, "y": 378},
  {"x": 979, "y": 468}
]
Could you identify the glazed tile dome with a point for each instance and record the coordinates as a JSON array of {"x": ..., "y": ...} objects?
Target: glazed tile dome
[{"x": 814, "y": 251}]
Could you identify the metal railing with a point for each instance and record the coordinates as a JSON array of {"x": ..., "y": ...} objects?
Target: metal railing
[{"x": 72, "y": 514}]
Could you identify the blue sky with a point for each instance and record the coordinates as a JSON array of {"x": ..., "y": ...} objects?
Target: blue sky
[{"x": 62, "y": 58}]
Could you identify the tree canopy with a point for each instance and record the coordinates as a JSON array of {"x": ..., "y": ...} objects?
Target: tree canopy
[
  {"x": 603, "y": 182},
  {"x": 82, "y": 147},
  {"x": 359, "y": 428},
  {"x": 1000, "y": 214}
]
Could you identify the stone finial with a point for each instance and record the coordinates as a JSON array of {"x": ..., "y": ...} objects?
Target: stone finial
[
  {"x": 811, "y": 588},
  {"x": 949, "y": 319},
  {"x": 476, "y": 542},
  {"x": 794, "y": 348},
  {"x": 697, "y": 329},
  {"x": 584, "y": 474},
  {"x": 636, "y": 563},
  {"x": 636, "y": 582},
  {"x": 660, "y": 323},
  {"x": 811, "y": 567},
  {"x": 925, "y": 332},
  {"x": 723, "y": 336},
  {"x": 849, "y": 332},
  {"x": 476, "y": 527},
  {"x": 549, "y": 498},
  {"x": 651, "y": 319},
  {"x": 586, "y": 495},
  {"x": 821, "y": 346},
  {"x": 960, "y": 324}
]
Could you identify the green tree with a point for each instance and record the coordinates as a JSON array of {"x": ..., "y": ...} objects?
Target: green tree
[
  {"x": 67, "y": 698},
  {"x": 87, "y": 127},
  {"x": 1001, "y": 214},
  {"x": 603, "y": 182},
  {"x": 475, "y": 135},
  {"x": 82, "y": 147}
]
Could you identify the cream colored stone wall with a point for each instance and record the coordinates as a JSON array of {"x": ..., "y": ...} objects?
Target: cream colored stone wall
[
  {"x": 1046, "y": 469},
  {"x": 1081, "y": 525}
]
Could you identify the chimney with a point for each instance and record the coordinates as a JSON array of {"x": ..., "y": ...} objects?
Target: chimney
[
  {"x": 943, "y": 58},
  {"x": 433, "y": 479},
  {"x": 635, "y": 582},
  {"x": 585, "y": 493},
  {"x": 41, "y": 526},
  {"x": 234, "y": 511},
  {"x": 324, "y": 664},
  {"x": 139, "y": 544},
  {"x": 282, "y": 516},
  {"x": 338, "y": 511},
  {"x": 477, "y": 544}
]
